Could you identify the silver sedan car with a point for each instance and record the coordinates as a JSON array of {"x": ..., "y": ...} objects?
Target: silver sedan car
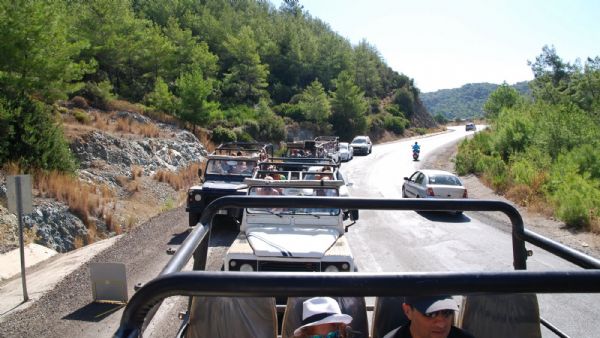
[{"x": 433, "y": 184}]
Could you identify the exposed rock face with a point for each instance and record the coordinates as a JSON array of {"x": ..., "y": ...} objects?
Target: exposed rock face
[
  {"x": 55, "y": 227},
  {"x": 103, "y": 159}
]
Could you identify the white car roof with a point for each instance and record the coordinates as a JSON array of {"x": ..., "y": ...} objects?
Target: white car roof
[{"x": 430, "y": 172}]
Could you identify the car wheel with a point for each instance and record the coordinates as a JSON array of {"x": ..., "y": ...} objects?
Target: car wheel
[{"x": 193, "y": 219}]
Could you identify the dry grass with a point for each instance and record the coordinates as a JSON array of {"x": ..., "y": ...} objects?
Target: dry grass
[
  {"x": 78, "y": 242},
  {"x": 136, "y": 171},
  {"x": 124, "y": 125},
  {"x": 84, "y": 200},
  {"x": 130, "y": 185},
  {"x": 126, "y": 106},
  {"x": 180, "y": 179},
  {"x": 520, "y": 194}
]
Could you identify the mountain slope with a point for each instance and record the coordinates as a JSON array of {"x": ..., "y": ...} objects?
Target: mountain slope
[{"x": 465, "y": 102}]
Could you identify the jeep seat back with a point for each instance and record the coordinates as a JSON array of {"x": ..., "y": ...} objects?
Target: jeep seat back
[
  {"x": 387, "y": 315},
  {"x": 224, "y": 317},
  {"x": 506, "y": 315}
]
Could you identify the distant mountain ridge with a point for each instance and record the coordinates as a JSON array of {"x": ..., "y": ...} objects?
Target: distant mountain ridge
[{"x": 465, "y": 102}]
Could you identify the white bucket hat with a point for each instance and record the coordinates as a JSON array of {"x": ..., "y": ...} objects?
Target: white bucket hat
[{"x": 321, "y": 310}]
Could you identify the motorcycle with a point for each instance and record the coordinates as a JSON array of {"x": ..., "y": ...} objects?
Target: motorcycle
[{"x": 415, "y": 155}]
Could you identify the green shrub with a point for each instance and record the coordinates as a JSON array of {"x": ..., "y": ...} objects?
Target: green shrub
[
  {"x": 514, "y": 132},
  {"x": 81, "y": 116},
  {"x": 495, "y": 170},
  {"x": 395, "y": 124},
  {"x": 577, "y": 200},
  {"x": 242, "y": 136},
  {"x": 79, "y": 102},
  {"x": 100, "y": 94},
  {"x": 467, "y": 156},
  {"x": 31, "y": 136},
  {"x": 420, "y": 131},
  {"x": 161, "y": 98},
  {"x": 222, "y": 134}
]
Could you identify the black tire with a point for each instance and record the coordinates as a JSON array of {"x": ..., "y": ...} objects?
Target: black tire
[{"x": 193, "y": 219}]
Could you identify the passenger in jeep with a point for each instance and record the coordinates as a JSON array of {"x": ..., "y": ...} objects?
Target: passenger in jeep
[
  {"x": 429, "y": 317},
  {"x": 322, "y": 318}
]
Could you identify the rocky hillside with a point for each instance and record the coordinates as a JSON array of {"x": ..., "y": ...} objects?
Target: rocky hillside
[{"x": 116, "y": 156}]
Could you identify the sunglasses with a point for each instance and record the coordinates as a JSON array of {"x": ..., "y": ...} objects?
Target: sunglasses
[
  {"x": 332, "y": 334},
  {"x": 443, "y": 313}
]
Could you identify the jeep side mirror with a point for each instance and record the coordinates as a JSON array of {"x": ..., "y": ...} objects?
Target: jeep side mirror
[
  {"x": 406, "y": 178},
  {"x": 200, "y": 172},
  {"x": 353, "y": 214}
]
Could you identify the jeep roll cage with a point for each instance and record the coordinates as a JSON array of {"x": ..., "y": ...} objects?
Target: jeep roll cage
[
  {"x": 171, "y": 281},
  {"x": 245, "y": 148}
]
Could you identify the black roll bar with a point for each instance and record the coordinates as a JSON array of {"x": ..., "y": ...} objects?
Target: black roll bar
[{"x": 171, "y": 282}]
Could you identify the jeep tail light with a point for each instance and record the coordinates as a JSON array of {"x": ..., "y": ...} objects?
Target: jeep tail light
[
  {"x": 430, "y": 192},
  {"x": 465, "y": 195}
]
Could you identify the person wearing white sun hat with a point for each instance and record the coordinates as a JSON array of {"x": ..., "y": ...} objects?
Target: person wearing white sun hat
[{"x": 322, "y": 318}]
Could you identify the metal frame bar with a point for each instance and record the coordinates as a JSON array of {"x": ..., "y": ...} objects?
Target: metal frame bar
[{"x": 171, "y": 282}]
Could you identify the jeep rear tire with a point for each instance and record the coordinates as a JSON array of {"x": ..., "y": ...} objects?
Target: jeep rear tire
[{"x": 193, "y": 219}]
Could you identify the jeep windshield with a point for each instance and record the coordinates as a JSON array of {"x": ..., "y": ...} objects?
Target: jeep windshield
[
  {"x": 242, "y": 167},
  {"x": 295, "y": 192}
]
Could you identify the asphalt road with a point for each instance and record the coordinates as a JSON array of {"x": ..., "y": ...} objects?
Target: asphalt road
[{"x": 386, "y": 241}]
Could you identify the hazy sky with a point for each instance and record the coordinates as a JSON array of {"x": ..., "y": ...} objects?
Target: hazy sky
[{"x": 446, "y": 44}]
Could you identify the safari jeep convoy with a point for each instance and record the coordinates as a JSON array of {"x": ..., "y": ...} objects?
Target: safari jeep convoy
[
  {"x": 292, "y": 239},
  {"x": 226, "y": 169}
]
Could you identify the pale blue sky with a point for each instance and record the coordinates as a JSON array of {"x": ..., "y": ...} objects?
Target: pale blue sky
[{"x": 446, "y": 44}]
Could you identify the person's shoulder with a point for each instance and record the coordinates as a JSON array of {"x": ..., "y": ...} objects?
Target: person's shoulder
[
  {"x": 459, "y": 333},
  {"x": 392, "y": 333}
]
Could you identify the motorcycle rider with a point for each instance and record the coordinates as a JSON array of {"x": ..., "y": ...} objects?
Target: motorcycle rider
[{"x": 416, "y": 149}]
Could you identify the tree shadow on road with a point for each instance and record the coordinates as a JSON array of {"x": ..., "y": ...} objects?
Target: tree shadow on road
[{"x": 94, "y": 312}]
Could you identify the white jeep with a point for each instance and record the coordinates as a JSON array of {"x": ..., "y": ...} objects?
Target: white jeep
[{"x": 291, "y": 239}]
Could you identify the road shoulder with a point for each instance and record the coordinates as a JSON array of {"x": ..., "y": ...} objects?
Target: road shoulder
[{"x": 44, "y": 276}]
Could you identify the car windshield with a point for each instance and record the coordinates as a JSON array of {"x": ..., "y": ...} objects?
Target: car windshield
[
  {"x": 343, "y": 146},
  {"x": 444, "y": 180},
  {"x": 359, "y": 140},
  {"x": 293, "y": 191},
  {"x": 230, "y": 166}
]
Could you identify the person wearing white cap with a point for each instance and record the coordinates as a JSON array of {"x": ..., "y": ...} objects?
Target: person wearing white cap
[
  {"x": 322, "y": 318},
  {"x": 429, "y": 317}
]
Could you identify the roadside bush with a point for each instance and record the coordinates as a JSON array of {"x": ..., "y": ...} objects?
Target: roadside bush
[
  {"x": 79, "y": 102},
  {"x": 98, "y": 94},
  {"x": 421, "y": 131},
  {"x": 243, "y": 136},
  {"x": 395, "y": 124},
  {"x": 577, "y": 200},
  {"x": 32, "y": 137},
  {"x": 271, "y": 128},
  {"x": 495, "y": 171},
  {"x": 81, "y": 116},
  {"x": 514, "y": 132},
  {"x": 466, "y": 158},
  {"x": 221, "y": 135}
]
